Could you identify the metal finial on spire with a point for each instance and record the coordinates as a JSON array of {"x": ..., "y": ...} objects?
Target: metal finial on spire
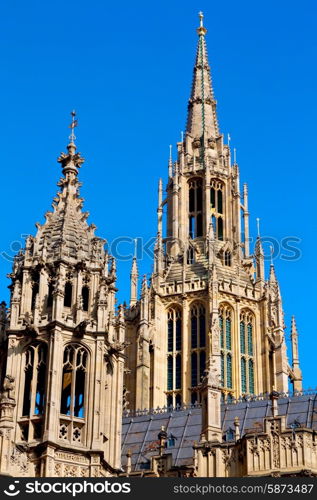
[
  {"x": 271, "y": 252},
  {"x": 258, "y": 226},
  {"x": 201, "y": 17},
  {"x": 201, "y": 30},
  {"x": 170, "y": 156},
  {"x": 135, "y": 242},
  {"x": 74, "y": 124}
]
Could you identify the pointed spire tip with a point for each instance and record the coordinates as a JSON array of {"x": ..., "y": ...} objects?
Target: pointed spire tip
[
  {"x": 72, "y": 126},
  {"x": 201, "y": 30}
]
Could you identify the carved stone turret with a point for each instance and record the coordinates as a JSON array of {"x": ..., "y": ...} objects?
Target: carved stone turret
[
  {"x": 207, "y": 294},
  {"x": 65, "y": 347}
]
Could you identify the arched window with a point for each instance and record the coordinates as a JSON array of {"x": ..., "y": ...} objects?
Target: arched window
[
  {"x": 85, "y": 296},
  {"x": 28, "y": 370},
  {"x": 174, "y": 359},
  {"x": 194, "y": 329},
  {"x": 198, "y": 326},
  {"x": 242, "y": 337},
  {"x": 225, "y": 325},
  {"x": 219, "y": 201},
  {"x": 246, "y": 352},
  {"x": 227, "y": 258},
  {"x": 250, "y": 338},
  {"x": 73, "y": 394},
  {"x": 35, "y": 276},
  {"x": 216, "y": 207},
  {"x": 195, "y": 208},
  {"x": 33, "y": 404},
  {"x": 49, "y": 302},
  {"x": 34, "y": 380},
  {"x": 35, "y": 291},
  {"x": 190, "y": 256},
  {"x": 68, "y": 292},
  {"x": 74, "y": 380},
  {"x": 243, "y": 375},
  {"x": 198, "y": 345},
  {"x": 41, "y": 380}
]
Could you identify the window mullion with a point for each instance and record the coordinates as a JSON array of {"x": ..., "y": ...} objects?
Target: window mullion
[
  {"x": 34, "y": 383},
  {"x": 73, "y": 385}
]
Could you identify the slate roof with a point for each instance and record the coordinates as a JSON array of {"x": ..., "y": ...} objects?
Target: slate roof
[{"x": 140, "y": 432}]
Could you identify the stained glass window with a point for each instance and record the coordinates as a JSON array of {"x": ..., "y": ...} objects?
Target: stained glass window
[
  {"x": 198, "y": 343},
  {"x": 229, "y": 371},
  {"x": 170, "y": 335},
  {"x": 228, "y": 334},
  {"x": 174, "y": 345},
  {"x": 251, "y": 377},
  {"x": 242, "y": 337},
  {"x": 243, "y": 376},
  {"x": 250, "y": 340},
  {"x": 73, "y": 382},
  {"x": 225, "y": 324},
  {"x": 221, "y": 332},
  {"x": 222, "y": 369},
  {"x": 246, "y": 349}
]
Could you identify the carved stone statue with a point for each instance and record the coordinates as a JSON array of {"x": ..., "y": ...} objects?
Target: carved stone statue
[{"x": 8, "y": 387}]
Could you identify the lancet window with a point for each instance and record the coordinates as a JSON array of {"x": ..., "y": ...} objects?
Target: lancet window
[
  {"x": 217, "y": 208},
  {"x": 195, "y": 209},
  {"x": 225, "y": 325},
  {"x": 174, "y": 356},
  {"x": 247, "y": 352},
  {"x": 34, "y": 392},
  {"x": 198, "y": 346},
  {"x": 68, "y": 293},
  {"x": 73, "y": 393}
]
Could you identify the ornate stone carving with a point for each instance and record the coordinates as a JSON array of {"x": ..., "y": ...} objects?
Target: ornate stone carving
[
  {"x": 8, "y": 388},
  {"x": 19, "y": 461}
]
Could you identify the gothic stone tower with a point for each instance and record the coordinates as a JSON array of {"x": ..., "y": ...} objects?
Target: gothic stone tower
[
  {"x": 61, "y": 402},
  {"x": 208, "y": 304}
]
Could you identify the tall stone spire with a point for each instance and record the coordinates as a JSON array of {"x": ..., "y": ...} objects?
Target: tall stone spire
[
  {"x": 297, "y": 374},
  {"x": 202, "y": 119},
  {"x": 134, "y": 279},
  {"x": 63, "y": 294}
]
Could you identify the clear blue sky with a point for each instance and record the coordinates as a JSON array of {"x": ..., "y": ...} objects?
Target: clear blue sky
[{"x": 127, "y": 70}]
